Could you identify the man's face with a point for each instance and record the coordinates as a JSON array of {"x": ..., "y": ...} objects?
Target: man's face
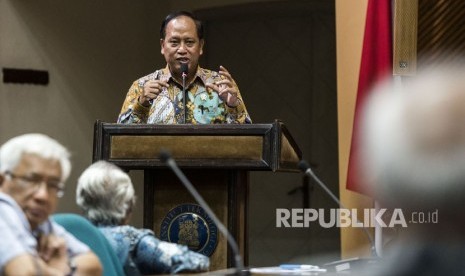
[
  {"x": 181, "y": 45},
  {"x": 37, "y": 201}
]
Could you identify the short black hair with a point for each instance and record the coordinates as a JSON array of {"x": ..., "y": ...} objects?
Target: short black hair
[{"x": 173, "y": 15}]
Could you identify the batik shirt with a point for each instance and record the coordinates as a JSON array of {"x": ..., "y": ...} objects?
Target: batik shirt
[
  {"x": 204, "y": 106},
  {"x": 141, "y": 252}
]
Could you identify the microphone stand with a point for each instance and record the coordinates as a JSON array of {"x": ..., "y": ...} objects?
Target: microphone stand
[
  {"x": 184, "y": 96},
  {"x": 304, "y": 167},
  {"x": 184, "y": 70}
]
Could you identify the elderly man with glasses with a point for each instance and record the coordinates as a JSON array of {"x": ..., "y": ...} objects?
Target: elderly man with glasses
[{"x": 33, "y": 169}]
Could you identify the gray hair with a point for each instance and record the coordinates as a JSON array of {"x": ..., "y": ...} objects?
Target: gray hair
[
  {"x": 414, "y": 139},
  {"x": 38, "y": 144},
  {"x": 105, "y": 193}
]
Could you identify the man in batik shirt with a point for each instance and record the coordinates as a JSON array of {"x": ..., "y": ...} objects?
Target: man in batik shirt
[{"x": 212, "y": 97}]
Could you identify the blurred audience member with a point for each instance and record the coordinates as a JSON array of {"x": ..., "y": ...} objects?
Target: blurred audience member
[
  {"x": 414, "y": 160},
  {"x": 106, "y": 195},
  {"x": 33, "y": 170}
]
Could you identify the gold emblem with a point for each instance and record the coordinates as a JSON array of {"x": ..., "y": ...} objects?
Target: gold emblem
[{"x": 188, "y": 233}]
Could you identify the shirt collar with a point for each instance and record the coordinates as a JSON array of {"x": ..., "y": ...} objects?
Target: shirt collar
[{"x": 166, "y": 75}]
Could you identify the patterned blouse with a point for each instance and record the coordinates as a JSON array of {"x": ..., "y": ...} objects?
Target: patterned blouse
[
  {"x": 204, "y": 106},
  {"x": 141, "y": 252}
]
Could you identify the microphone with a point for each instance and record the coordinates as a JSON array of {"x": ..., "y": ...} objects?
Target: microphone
[
  {"x": 305, "y": 168},
  {"x": 166, "y": 158},
  {"x": 184, "y": 71}
]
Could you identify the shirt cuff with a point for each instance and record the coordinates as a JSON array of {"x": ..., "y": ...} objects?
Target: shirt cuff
[{"x": 140, "y": 109}]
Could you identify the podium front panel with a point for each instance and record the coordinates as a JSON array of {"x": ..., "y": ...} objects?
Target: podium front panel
[{"x": 167, "y": 200}]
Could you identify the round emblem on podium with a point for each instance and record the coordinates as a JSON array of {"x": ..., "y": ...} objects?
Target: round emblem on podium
[{"x": 190, "y": 225}]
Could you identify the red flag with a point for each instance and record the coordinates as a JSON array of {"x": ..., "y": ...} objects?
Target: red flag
[{"x": 376, "y": 64}]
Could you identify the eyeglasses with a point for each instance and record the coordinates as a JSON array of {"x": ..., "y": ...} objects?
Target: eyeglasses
[{"x": 54, "y": 186}]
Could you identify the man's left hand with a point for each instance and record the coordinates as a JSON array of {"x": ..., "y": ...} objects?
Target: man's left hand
[{"x": 226, "y": 88}]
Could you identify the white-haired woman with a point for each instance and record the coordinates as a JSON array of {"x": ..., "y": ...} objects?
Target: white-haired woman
[{"x": 106, "y": 195}]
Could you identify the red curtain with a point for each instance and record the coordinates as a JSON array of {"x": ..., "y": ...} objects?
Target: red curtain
[{"x": 375, "y": 65}]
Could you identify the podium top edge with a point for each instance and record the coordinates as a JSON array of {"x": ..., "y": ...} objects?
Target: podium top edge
[
  {"x": 260, "y": 125},
  {"x": 118, "y": 128}
]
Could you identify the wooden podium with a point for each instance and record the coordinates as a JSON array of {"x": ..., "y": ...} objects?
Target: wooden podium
[{"x": 215, "y": 158}]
